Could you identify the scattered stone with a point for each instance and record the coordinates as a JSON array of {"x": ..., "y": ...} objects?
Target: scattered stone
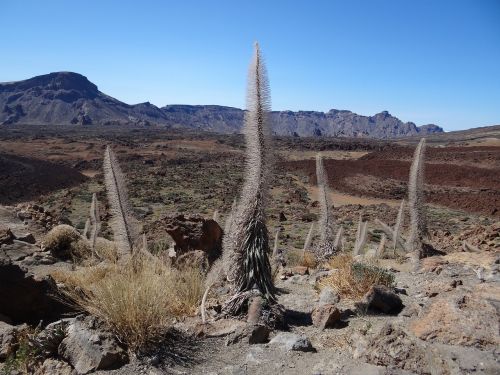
[
  {"x": 251, "y": 334},
  {"x": 325, "y": 316},
  {"x": 7, "y": 340},
  {"x": 88, "y": 347},
  {"x": 6, "y": 236},
  {"x": 292, "y": 341},
  {"x": 53, "y": 366},
  {"x": 381, "y": 298},
  {"x": 300, "y": 270},
  {"x": 28, "y": 237},
  {"x": 328, "y": 297}
]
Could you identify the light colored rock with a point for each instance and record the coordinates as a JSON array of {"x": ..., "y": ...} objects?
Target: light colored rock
[
  {"x": 459, "y": 319},
  {"x": 7, "y": 340},
  {"x": 394, "y": 347},
  {"x": 88, "y": 348},
  {"x": 328, "y": 297},
  {"x": 291, "y": 341},
  {"x": 54, "y": 367}
]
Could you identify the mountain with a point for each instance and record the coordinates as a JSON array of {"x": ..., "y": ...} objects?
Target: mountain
[{"x": 65, "y": 98}]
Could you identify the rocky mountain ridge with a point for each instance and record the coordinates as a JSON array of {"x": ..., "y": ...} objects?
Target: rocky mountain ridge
[{"x": 66, "y": 98}]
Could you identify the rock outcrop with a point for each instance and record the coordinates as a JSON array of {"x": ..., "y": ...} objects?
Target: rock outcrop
[{"x": 194, "y": 233}]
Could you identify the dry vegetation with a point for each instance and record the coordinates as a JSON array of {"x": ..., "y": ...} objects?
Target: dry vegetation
[
  {"x": 352, "y": 279},
  {"x": 138, "y": 299}
]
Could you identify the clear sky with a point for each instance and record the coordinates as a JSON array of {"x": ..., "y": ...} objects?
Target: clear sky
[{"x": 423, "y": 61}]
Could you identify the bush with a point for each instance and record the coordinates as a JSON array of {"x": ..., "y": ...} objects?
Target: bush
[
  {"x": 64, "y": 241},
  {"x": 137, "y": 299},
  {"x": 352, "y": 280}
]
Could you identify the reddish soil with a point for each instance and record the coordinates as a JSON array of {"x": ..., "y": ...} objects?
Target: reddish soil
[
  {"x": 450, "y": 181},
  {"x": 24, "y": 178}
]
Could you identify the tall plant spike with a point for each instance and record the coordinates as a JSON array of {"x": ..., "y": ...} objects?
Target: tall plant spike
[
  {"x": 361, "y": 235},
  {"x": 398, "y": 225},
  {"x": 325, "y": 223},
  {"x": 418, "y": 223},
  {"x": 95, "y": 222},
  {"x": 337, "y": 244},
  {"x": 86, "y": 229},
  {"x": 381, "y": 246},
  {"x": 250, "y": 238},
  {"x": 307, "y": 243},
  {"x": 122, "y": 222},
  {"x": 276, "y": 243}
]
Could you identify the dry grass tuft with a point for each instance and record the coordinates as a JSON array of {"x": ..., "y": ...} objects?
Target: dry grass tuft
[
  {"x": 352, "y": 280},
  {"x": 138, "y": 299},
  {"x": 309, "y": 260}
]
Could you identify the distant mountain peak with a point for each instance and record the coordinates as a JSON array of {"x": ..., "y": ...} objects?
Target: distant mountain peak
[{"x": 68, "y": 98}]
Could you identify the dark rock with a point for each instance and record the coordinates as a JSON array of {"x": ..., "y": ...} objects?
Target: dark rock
[
  {"x": 282, "y": 217},
  {"x": 381, "y": 298},
  {"x": 6, "y": 236},
  {"x": 26, "y": 297},
  {"x": 28, "y": 237}
]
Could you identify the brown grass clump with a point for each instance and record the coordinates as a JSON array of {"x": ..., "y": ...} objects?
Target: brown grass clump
[
  {"x": 352, "y": 280},
  {"x": 137, "y": 299},
  {"x": 308, "y": 260}
]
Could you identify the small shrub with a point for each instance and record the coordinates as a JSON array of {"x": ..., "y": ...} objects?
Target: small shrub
[
  {"x": 138, "y": 299},
  {"x": 62, "y": 241},
  {"x": 352, "y": 280}
]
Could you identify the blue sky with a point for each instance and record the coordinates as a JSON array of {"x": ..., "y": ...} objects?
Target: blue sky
[{"x": 423, "y": 61}]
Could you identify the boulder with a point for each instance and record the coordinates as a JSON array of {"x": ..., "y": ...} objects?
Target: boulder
[
  {"x": 325, "y": 316},
  {"x": 88, "y": 347},
  {"x": 292, "y": 342},
  {"x": 195, "y": 233},
  {"x": 380, "y": 298}
]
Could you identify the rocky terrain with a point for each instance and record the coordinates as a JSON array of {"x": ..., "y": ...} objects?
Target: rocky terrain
[
  {"x": 66, "y": 98},
  {"x": 428, "y": 321}
]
